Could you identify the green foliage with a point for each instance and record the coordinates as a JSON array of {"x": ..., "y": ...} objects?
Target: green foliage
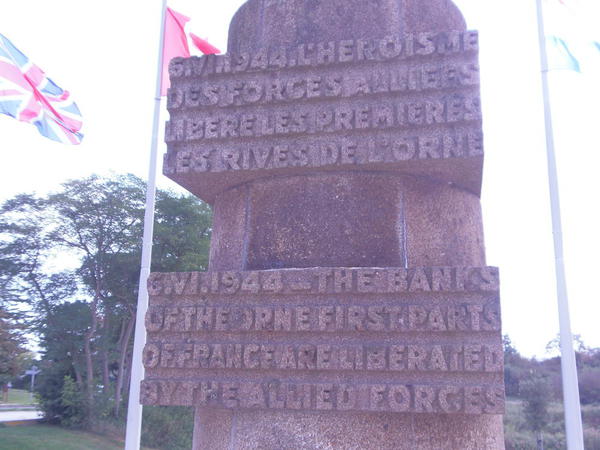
[
  {"x": 25, "y": 360},
  {"x": 64, "y": 331},
  {"x": 535, "y": 392},
  {"x": 168, "y": 427},
  {"x": 537, "y": 386},
  {"x": 518, "y": 434},
  {"x": 589, "y": 385},
  {"x": 516, "y": 367},
  {"x": 73, "y": 404},
  {"x": 60, "y": 398},
  {"x": 510, "y": 350},
  {"x": 49, "y": 387},
  {"x": 84, "y": 317},
  {"x": 591, "y": 415},
  {"x": 11, "y": 347},
  {"x": 512, "y": 377},
  {"x": 591, "y": 438},
  {"x": 181, "y": 233}
]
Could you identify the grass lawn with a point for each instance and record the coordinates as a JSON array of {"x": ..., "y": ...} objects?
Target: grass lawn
[
  {"x": 19, "y": 397},
  {"x": 47, "y": 437}
]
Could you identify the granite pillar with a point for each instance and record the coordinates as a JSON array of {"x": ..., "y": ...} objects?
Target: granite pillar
[{"x": 347, "y": 304}]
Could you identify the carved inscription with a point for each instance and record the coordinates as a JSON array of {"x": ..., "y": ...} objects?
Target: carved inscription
[
  {"x": 327, "y": 319},
  {"x": 323, "y": 54},
  {"x": 339, "y": 280},
  {"x": 416, "y": 398},
  {"x": 310, "y": 120},
  {"x": 353, "y": 104},
  {"x": 420, "y": 358},
  {"x": 260, "y": 91},
  {"x": 427, "y": 339},
  {"x": 325, "y": 153}
]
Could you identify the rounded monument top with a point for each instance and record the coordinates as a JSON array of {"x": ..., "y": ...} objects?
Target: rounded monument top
[{"x": 288, "y": 23}]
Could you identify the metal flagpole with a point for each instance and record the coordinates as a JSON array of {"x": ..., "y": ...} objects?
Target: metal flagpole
[
  {"x": 134, "y": 410},
  {"x": 574, "y": 429}
]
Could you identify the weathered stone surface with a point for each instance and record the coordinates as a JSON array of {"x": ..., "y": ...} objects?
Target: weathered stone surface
[
  {"x": 348, "y": 303},
  {"x": 261, "y": 23},
  {"x": 346, "y": 220},
  {"x": 253, "y": 429},
  {"x": 420, "y": 340},
  {"x": 406, "y": 104}
]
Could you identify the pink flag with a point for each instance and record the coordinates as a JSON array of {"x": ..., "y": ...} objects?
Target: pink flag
[
  {"x": 175, "y": 44},
  {"x": 204, "y": 46}
]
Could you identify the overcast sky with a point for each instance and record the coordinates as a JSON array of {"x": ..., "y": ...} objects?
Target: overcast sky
[{"x": 105, "y": 52}]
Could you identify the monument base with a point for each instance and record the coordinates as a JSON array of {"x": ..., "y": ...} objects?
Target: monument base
[{"x": 226, "y": 430}]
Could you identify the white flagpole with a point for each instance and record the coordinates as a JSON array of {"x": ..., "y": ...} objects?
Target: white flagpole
[
  {"x": 574, "y": 429},
  {"x": 134, "y": 410}
]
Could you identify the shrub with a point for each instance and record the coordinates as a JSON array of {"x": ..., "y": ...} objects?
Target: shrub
[
  {"x": 49, "y": 386},
  {"x": 73, "y": 403},
  {"x": 518, "y": 440},
  {"x": 511, "y": 381},
  {"x": 591, "y": 415},
  {"x": 591, "y": 438},
  {"x": 168, "y": 427},
  {"x": 536, "y": 394},
  {"x": 589, "y": 385}
]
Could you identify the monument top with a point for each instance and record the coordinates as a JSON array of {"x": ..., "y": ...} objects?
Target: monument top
[
  {"x": 264, "y": 23},
  {"x": 316, "y": 86}
]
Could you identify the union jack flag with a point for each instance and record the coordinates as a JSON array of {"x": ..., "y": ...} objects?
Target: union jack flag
[{"x": 28, "y": 95}]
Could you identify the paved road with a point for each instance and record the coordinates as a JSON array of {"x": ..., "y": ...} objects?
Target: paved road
[
  {"x": 9, "y": 416},
  {"x": 13, "y": 407}
]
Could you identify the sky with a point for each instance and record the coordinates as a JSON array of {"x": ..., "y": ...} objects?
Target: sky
[{"x": 105, "y": 54}]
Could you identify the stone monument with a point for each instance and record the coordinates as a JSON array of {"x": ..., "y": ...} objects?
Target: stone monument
[{"x": 347, "y": 303}]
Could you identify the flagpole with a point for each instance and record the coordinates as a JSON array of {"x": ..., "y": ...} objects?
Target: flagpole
[
  {"x": 573, "y": 425},
  {"x": 134, "y": 410}
]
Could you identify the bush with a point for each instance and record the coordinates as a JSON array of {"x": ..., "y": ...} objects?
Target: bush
[
  {"x": 556, "y": 441},
  {"x": 526, "y": 440},
  {"x": 49, "y": 386},
  {"x": 518, "y": 434},
  {"x": 519, "y": 440},
  {"x": 591, "y": 438},
  {"x": 591, "y": 415},
  {"x": 535, "y": 392},
  {"x": 511, "y": 381},
  {"x": 60, "y": 398},
  {"x": 74, "y": 409},
  {"x": 589, "y": 385},
  {"x": 168, "y": 427}
]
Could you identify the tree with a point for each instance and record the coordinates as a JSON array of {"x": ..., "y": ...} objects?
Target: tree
[
  {"x": 535, "y": 392},
  {"x": 85, "y": 316},
  {"x": 180, "y": 243},
  {"x": 97, "y": 220},
  {"x": 11, "y": 347},
  {"x": 23, "y": 249},
  {"x": 183, "y": 226},
  {"x": 553, "y": 347},
  {"x": 63, "y": 337},
  {"x": 515, "y": 367}
]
